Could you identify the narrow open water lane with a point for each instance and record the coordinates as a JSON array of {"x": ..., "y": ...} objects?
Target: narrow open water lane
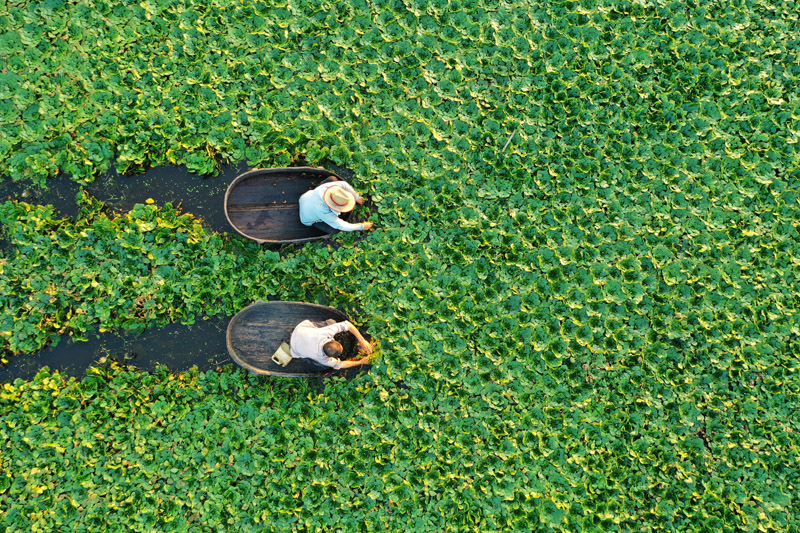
[{"x": 178, "y": 346}]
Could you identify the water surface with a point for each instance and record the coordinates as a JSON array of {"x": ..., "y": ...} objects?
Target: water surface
[{"x": 178, "y": 346}]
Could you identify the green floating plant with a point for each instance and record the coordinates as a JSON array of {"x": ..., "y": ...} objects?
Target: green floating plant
[{"x": 583, "y": 275}]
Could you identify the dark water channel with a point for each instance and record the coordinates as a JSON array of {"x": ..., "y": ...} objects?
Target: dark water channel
[
  {"x": 203, "y": 197},
  {"x": 178, "y": 346}
]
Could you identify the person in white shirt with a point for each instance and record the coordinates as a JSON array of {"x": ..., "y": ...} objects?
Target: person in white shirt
[
  {"x": 314, "y": 340},
  {"x": 322, "y": 206}
]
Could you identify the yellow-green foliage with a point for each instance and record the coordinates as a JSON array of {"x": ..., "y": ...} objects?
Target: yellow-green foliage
[{"x": 584, "y": 276}]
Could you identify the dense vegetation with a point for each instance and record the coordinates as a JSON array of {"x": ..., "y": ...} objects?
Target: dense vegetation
[{"x": 585, "y": 278}]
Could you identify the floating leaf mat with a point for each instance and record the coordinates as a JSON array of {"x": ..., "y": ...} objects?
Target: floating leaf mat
[{"x": 584, "y": 277}]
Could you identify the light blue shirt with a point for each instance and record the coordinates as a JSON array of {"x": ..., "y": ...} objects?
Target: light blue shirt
[{"x": 313, "y": 208}]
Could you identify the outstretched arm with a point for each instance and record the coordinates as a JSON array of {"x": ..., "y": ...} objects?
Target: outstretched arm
[
  {"x": 357, "y": 362},
  {"x": 333, "y": 220},
  {"x": 346, "y": 325},
  {"x": 361, "y": 340}
]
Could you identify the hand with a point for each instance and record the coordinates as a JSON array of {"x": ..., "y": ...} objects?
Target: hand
[
  {"x": 360, "y": 201},
  {"x": 368, "y": 225},
  {"x": 367, "y": 347},
  {"x": 363, "y": 361}
]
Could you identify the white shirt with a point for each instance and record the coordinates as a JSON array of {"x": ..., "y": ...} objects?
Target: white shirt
[
  {"x": 307, "y": 341},
  {"x": 314, "y": 209}
]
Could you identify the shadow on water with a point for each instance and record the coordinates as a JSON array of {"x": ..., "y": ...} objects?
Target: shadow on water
[{"x": 178, "y": 346}]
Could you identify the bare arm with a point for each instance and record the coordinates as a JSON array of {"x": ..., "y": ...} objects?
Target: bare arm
[
  {"x": 361, "y": 340},
  {"x": 357, "y": 362}
]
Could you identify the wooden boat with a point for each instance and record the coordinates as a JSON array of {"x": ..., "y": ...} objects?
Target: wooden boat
[
  {"x": 263, "y": 204},
  {"x": 256, "y": 331}
]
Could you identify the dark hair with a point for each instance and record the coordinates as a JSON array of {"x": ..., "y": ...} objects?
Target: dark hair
[{"x": 332, "y": 349}]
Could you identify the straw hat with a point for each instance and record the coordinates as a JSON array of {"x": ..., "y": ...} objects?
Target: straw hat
[{"x": 339, "y": 199}]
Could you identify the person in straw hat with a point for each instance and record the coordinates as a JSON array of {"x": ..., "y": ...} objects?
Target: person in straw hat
[{"x": 322, "y": 206}]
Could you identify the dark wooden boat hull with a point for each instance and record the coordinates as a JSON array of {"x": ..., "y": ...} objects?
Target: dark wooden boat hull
[
  {"x": 256, "y": 331},
  {"x": 263, "y": 204}
]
